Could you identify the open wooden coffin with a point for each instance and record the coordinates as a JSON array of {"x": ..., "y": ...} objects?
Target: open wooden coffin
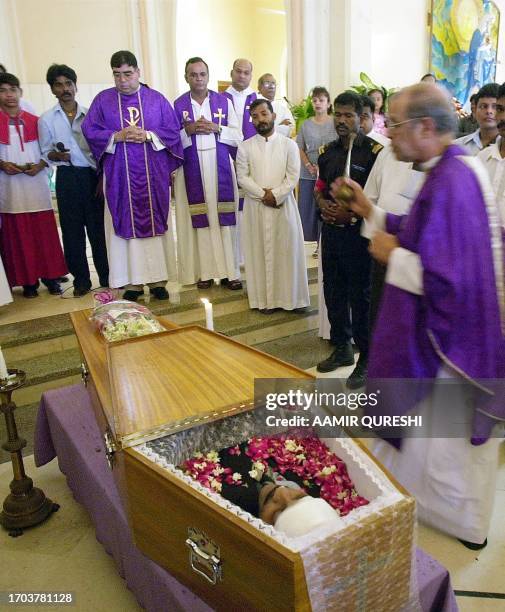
[{"x": 186, "y": 387}]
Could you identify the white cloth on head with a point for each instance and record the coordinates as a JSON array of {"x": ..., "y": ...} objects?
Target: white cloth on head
[
  {"x": 272, "y": 238},
  {"x": 208, "y": 252},
  {"x": 306, "y": 514}
]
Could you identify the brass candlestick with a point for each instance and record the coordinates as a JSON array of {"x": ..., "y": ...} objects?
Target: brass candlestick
[{"x": 26, "y": 505}]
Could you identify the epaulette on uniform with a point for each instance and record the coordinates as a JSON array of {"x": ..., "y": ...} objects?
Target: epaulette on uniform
[{"x": 376, "y": 147}]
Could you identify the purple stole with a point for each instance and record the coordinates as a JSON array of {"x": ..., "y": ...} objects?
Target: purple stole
[
  {"x": 248, "y": 129},
  {"x": 198, "y": 207}
]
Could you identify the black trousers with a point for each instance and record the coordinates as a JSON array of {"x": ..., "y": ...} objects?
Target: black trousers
[
  {"x": 346, "y": 281},
  {"x": 80, "y": 212},
  {"x": 377, "y": 286}
]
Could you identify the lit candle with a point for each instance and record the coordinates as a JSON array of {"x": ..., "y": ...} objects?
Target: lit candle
[
  {"x": 209, "y": 321},
  {"x": 3, "y": 368}
]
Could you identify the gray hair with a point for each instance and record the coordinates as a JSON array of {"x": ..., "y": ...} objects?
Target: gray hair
[{"x": 426, "y": 100}]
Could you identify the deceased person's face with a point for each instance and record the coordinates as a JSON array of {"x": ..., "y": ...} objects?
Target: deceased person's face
[{"x": 273, "y": 499}]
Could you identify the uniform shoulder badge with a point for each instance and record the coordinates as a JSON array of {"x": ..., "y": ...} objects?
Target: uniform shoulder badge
[
  {"x": 322, "y": 149},
  {"x": 377, "y": 148}
]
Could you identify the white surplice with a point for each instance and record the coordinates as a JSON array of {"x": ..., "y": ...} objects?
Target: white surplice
[
  {"x": 272, "y": 238},
  {"x": 208, "y": 252}
]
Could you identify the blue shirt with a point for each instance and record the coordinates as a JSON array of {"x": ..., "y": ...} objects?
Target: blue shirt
[{"x": 55, "y": 127}]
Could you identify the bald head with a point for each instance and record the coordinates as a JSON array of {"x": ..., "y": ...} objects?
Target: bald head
[
  {"x": 241, "y": 74},
  {"x": 426, "y": 100}
]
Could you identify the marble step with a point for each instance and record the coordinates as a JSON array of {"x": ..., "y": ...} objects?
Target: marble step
[{"x": 47, "y": 335}]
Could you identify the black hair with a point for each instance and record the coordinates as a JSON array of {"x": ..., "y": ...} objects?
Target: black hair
[
  {"x": 487, "y": 91},
  {"x": 3, "y": 68},
  {"x": 429, "y": 74},
  {"x": 260, "y": 101},
  {"x": 473, "y": 97},
  {"x": 384, "y": 97},
  {"x": 368, "y": 101},
  {"x": 56, "y": 70},
  {"x": 349, "y": 98},
  {"x": 6, "y": 78},
  {"x": 501, "y": 91},
  {"x": 322, "y": 91},
  {"x": 195, "y": 60},
  {"x": 123, "y": 57}
]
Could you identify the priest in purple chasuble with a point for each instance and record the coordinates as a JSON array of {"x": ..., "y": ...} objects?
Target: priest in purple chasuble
[
  {"x": 442, "y": 316},
  {"x": 206, "y": 190},
  {"x": 133, "y": 134}
]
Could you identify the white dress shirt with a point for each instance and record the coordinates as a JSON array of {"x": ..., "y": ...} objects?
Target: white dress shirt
[
  {"x": 471, "y": 142},
  {"x": 495, "y": 165}
]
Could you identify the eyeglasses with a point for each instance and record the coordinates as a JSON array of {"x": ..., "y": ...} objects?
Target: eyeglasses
[{"x": 392, "y": 126}]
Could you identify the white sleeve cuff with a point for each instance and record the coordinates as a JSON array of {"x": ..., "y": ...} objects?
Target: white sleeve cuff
[
  {"x": 185, "y": 139},
  {"x": 156, "y": 142},
  {"x": 111, "y": 147},
  {"x": 376, "y": 222},
  {"x": 405, "y": 271}
]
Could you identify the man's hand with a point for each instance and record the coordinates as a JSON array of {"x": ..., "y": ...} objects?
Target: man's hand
[
  {"x": 10, "y": 168},
  {"x": 333, "y": 212},
  {"x": 36, "y": 168},
  {"x": 269, "y": 199},
  {"x": 202, "y": 126},
  {"x": 132, "y": 133},
  {"x": 381, "y": 246},
  {"x": 360, "y": 205},
  {"x": 58, "y": 156}
]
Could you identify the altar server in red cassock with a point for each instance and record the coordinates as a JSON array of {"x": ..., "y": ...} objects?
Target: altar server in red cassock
[{"x": 30, "y": 244}]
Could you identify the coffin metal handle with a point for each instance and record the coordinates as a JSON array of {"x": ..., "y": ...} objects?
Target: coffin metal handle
[
  {"x": 110, "y": 448},
  {"x": 208, "y": 566},
  {"x": 84, "y": 374}
]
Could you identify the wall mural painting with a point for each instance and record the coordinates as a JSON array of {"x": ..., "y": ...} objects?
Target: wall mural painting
[{"x": 464, "y": 44}]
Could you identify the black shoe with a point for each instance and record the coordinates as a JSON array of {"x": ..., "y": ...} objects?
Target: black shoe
[
  {"x": 104, "y": 282},
  {"x": 53, "y": 286},
  {"x": 63, "y": 279},
  {"x": 30, "y": 291},
  {"x": 341, "y": 356},
  {"x": 160, "y": 293},
  {"x": 472, "y": 545},
  {"x": 131, "y": 295},
  {"x": 80, "y": 291},
  {"x": 357, "y": 379},
  {"x": 268, "y": 311}
]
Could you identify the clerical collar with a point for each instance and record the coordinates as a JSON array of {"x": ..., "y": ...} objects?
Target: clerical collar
[
  {"x": 269, "y": 138},
  {"x": 132, "y": 93},
  {"x": 431, "y": 163},
  {"x": 244, "y": 92}
]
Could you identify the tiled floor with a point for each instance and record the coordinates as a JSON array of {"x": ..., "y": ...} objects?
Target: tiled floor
[{"x": 63, "y": 554}]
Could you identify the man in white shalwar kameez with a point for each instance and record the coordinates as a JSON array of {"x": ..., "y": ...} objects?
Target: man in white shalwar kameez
[
  {"x": 206, "y": 190},
  {"x": 268, "y": 169}
]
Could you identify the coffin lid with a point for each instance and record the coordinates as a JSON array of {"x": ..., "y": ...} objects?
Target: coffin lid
[{"x": 174, "y": 380}]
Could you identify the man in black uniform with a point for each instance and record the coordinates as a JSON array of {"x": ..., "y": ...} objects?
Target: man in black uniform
[{"x": 345, "y": 258}]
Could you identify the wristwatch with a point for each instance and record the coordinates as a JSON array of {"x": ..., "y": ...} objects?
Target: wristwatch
[{"x": 149, "y": 138}]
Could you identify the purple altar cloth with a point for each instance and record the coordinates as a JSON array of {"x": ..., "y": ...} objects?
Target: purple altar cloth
[{"x": 66, "y": 429}]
